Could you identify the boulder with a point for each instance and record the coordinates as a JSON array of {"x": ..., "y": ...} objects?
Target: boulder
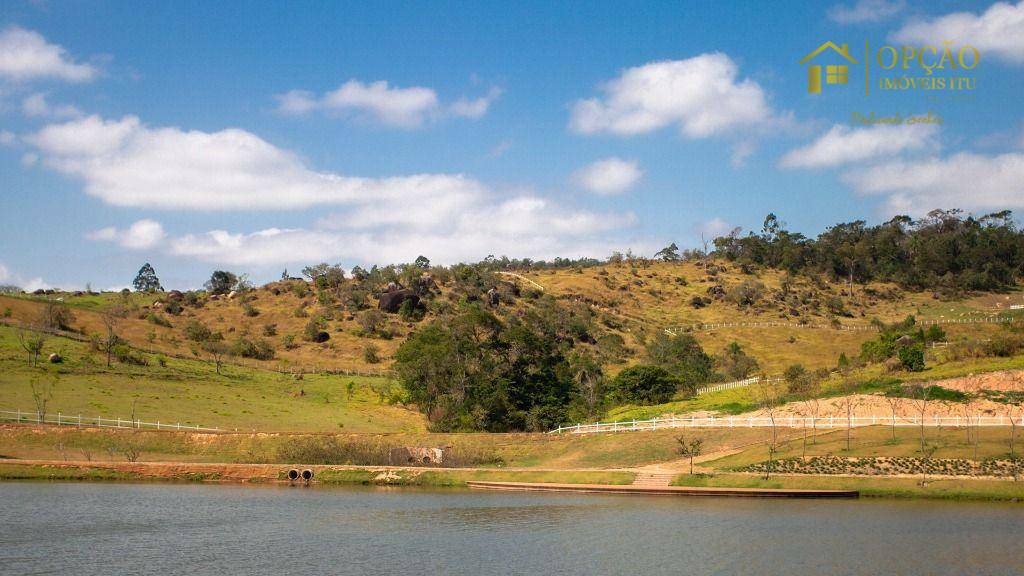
[
  {"x": 321, "y": 337},
  {"x": 56, "y": 358},
  {"x": 232, "y": 294},
  {"x": 175, "y": 296},
  {"x": 493, "y": 298},
  {"x": 393, "y": 300}
]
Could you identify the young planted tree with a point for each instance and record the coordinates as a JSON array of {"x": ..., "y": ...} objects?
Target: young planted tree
[
  {"x": 849, "y": 403},
  {"x": 32, "y": 342},
  {"x": 920, "y": 394},
  {"x": 42, "y": 393},
  {"x": 110, "y": 339},
  {"x": 691, "y": 449},
  {"x": 895, "y": 402},
  {"x": 769, "y": 395},
  {"x": 217, "y": 349}
]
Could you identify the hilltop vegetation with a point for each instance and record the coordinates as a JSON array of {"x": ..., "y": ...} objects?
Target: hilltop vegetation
[{"x": 520, "y": 345}]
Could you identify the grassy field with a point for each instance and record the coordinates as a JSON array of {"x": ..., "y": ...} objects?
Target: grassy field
[
  {"x": 874, "y": 487},
  {"x": 541, "y": 451},
  {"x": 191, "y": 392},
  {"x": 876, "y": 441}
]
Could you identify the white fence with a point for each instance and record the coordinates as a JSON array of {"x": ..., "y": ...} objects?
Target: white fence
[
  {"x": 97, "y": 422},
  {"x": 731, "y": 385},
  {"x": 786, "y": 422},
  {"x": 849, "y": 327}
]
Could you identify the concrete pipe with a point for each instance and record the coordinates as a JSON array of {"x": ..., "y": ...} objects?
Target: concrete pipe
[
  {"x": 293, "y": 475},
  {"x": 307, "y": 474}
]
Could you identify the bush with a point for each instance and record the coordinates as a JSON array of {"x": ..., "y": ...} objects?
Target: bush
[
  {"x": 124, "y": 355},
  {"x": 158, "y": 319},
  {"x": 370, "y": 352},
  {"x": 258, "y": 349},
  {"x": 289, "y": 342},
  {"x": 645, "y": 385},
  {"x": 697, "y": 301},
  {"x": 912, "y": 358},
  {"x": 746, "y": 293},
  {"x": 314, "y": 329},
  {"x": 173, "y": 308},
  {"x": 196, "y": 331},
  {"x": 371, "y": 321},
  {"x": 270, "y": 329},
  {"x": 249, "y": 310},
  {"x": 1003, "y": 345}
]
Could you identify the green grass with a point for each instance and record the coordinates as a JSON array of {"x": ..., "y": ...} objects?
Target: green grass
[
  {"x": 456, "y": 478},
  {"x": 22, "y": 472},
  {"x": 192, "y": 393},
  {"x": 875, "y": 487},
  {"x": 876, "y": 441}
]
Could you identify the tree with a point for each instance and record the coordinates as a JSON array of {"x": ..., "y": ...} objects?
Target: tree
[
  {"x": 643, "y": 384},
  {"x": 683, "y": 357},
  {"x": 221, "y": 282},
  {"x": 769, "y": 397},
  {"x": 32, "y": 342},
  {"x": 146, "y": 280},
  {"x": 894, "y": 401},
  {"x": 691, "y": 449},
  {"x": 589, "y": 381},
  {"x": 110, "y": 340},
  {"x": 42, "y": 393},
  {"x": 734, "y": 362},
  {"x": 920, "y": 394},
  {"x": 217, "y": 349},
  {"x": 422, "y": 262},
  {"x": 669, "y": 253}
]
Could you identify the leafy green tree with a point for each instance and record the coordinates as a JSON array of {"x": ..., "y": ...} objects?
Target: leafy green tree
[
  {"x": 221, "y": 282},
  {"x": 146, "y": 280},
  {"x": 683, "y": 357},
  {"x": 644, "y": 384},
  {"x": 669, "y": 253},
  {"x": 422, "y": 262}
]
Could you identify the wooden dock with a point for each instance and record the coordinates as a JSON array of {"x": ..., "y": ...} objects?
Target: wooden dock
[{"x": 664, "y": 490}]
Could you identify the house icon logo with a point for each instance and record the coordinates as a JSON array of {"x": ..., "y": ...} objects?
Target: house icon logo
[{"x": 834, "y": 74}]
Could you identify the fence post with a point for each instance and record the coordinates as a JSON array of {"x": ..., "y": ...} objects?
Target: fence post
[{"x": 58, "y": 418}]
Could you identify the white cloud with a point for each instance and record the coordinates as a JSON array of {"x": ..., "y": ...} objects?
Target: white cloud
[
  {"x": 609, "y": 176},
  {"x": 29, "y": 159},
  {"x": 500, "y": 150},
  {"x": 843, "y": 145},
  {"x": 463, "y": 230},
  {"x": 126, "y": 163},
  {"x": 998, "y": 31},
  {"x": 7, "y": 138},
  {"x": 141, "y": 235},
  {"x": 740, "y": 152},
  {"x": 9, "y": 277},
  {"x": 714, "y": 228},
  {"x": 700, "y": 95},
  {"x": 401, "y": 107},
  {"x": 474, "y": 108},
  {"x": 35, "y": 105},
  {"x": 965, "y": 180},
  {"x": 866, "y": 11},
  {"x": 26, "y": 55}
]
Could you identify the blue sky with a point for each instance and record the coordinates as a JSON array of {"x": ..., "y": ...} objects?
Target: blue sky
[{"x": 200, "y": 136}]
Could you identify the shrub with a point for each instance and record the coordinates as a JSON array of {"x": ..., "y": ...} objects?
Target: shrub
[
  {"x": 697, "y": 301},
  {"x": 258, "y": 349},
  {"x": 289, "y": 342},
  {"x": 173, "y": 308},
  {"x": 371, "y": 321},
  {"x": 370, "y": 352},
  {"x": 645, "y": 384},
  {"x": 912, "y": 358},
  {"x": 158, "y": 319},
  {"x": 314, "y": 329},
  {"x": 746, "y": 293},
  {"x": 249, "y": 310},
  {"x": 270, "y": 329},
  {"x": 124, "y": 355},
  {"x": 196, "y": 331}
]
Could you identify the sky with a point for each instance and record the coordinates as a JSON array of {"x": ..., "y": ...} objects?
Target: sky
[{"x": 259, "y": 137}]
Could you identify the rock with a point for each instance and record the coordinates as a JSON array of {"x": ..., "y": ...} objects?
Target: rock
[
  {"x": 321, "y": 337},
  {"x": 493, "y": 298},
  {"x": 56, "y": 358},
  {"x": 175, "y": 296},
  {"x": 232, "y": 294},
  {"x": 391, "y": 301}
]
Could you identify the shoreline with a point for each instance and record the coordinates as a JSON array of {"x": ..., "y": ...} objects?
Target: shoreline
[{"x": 872, "y": 487}]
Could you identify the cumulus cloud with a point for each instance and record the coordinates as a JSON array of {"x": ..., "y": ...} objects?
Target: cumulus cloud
[
  {"x": 35, "y": 105},
  {"x": 714, "y": 228},
  {"x": 998, "y": 31},
  {"x": 26, "y": 55},
  {"x": 28, "y": 285},
  {"x": 609, "y": 176},
  {"x": 462, "y": 230},
  {"x": 866, "y": 11},
  {"x": 125, "y": 163},
  {"x": 141, "y": 235},
  {"x": 964, "y": 180},
  {"x": 702, "y": 96},
  {"x": 843, "y": 145},
  {"x": 7, "y": 138},
  {"x": 401, "y": 107}
]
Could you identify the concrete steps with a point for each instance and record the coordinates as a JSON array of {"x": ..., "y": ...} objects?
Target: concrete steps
[{"x": 653, "y": 479}]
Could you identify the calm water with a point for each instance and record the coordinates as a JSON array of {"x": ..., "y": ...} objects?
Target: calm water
[{"x": 51, "y": 528}]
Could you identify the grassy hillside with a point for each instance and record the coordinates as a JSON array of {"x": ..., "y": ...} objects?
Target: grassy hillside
[
  {"x": 632, "y": 300},
  {"x": 191, "y": 392}
]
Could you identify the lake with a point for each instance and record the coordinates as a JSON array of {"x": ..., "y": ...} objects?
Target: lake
[{"x": 96, "y": 528}]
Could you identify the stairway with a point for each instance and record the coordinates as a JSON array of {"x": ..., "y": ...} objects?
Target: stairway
[{"x": 653, "y": 479}]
